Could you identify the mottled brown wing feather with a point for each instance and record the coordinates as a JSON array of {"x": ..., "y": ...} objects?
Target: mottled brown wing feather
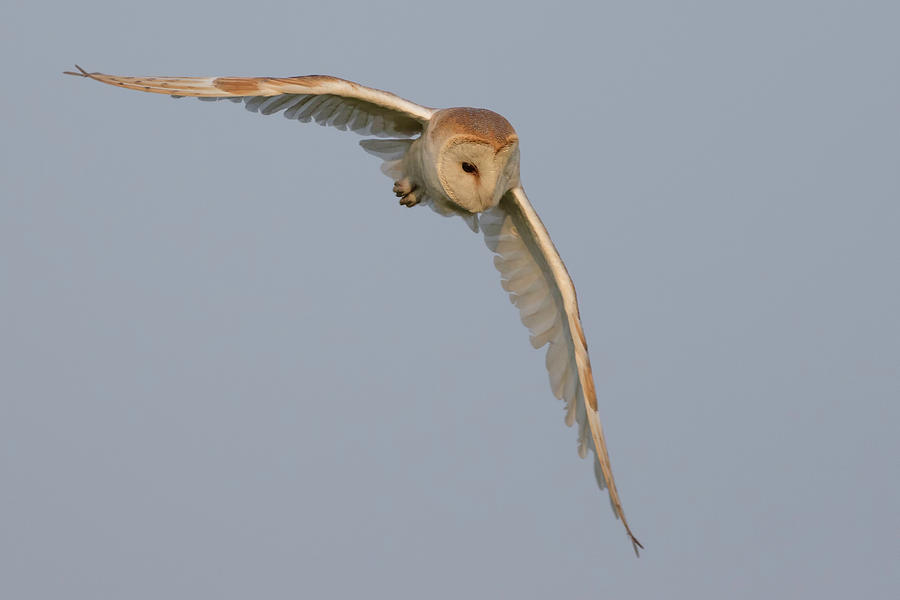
[
  {"x": 541, "y": 288},
  {"x": 321, "y": 98}
]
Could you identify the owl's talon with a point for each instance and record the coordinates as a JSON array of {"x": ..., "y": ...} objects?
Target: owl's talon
[
  {"x": 409, "y": 200},
  {"x": 406, "y": 191},
  {"x": 403, "y": 187}
]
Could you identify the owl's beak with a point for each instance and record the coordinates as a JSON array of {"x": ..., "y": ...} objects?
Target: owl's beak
[{"x": 508, "y": 161}]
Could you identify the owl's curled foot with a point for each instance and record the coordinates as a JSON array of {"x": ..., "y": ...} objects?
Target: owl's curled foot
[
  {"x": 403, "y": 187},
  {"x": 406, "y": 191}
]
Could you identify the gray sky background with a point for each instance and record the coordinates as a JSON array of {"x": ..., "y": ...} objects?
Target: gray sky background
[{"x": 231, "y": 366}]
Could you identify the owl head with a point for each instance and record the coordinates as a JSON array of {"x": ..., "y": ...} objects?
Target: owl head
[{"x": 477, "y": 156}]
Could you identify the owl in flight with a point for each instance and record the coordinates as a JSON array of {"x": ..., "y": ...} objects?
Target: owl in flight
[{"x": 458, "y": 161}]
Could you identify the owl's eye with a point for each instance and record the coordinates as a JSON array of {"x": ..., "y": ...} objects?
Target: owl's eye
[{"x": 469, "y": 168}]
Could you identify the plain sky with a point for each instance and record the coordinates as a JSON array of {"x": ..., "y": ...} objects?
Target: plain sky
[{"x": 231, "y": 366}]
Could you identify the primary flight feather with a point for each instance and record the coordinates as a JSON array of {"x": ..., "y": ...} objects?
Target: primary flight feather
[{"x": 458, "y": 161}]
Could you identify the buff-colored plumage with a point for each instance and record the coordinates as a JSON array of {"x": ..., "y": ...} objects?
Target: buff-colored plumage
[{"x": 458, "y": 161}]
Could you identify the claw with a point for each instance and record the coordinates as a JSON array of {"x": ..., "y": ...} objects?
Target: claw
[
  {"x": 406, "y": 191},
  {"x": 409, "y": 200},
  {"x": 403, "y": 187}
]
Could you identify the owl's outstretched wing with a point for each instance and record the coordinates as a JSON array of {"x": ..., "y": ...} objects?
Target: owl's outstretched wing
[
  {"x": 323, "y": 99},
  {"x": 539, "y": 285}
]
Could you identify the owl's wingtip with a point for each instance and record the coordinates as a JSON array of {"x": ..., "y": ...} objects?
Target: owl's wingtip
[
  {"x": 81, "y": 72},
  {"x": 636, "y": 544}
]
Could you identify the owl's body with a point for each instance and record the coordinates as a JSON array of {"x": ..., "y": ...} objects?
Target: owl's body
[
  {"x": 458, "y": 161},
  {"x": 462, "y": 164}
]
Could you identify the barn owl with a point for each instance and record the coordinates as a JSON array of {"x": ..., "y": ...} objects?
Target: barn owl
[{"x": 457, "y": 161}]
